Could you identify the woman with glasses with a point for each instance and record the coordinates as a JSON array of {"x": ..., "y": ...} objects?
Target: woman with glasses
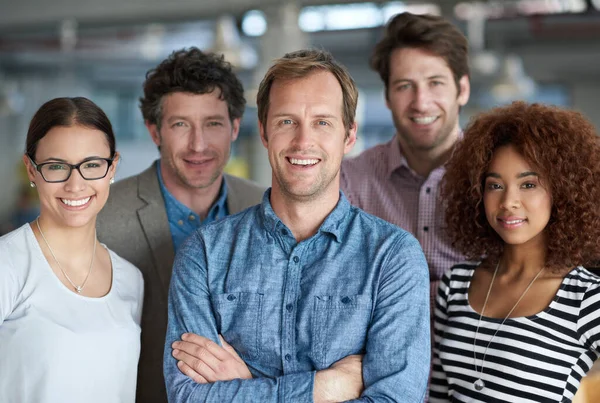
[{"x": 69, "y": 307}]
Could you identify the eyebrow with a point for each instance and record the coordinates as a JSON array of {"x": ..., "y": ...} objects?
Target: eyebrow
[
  {"x": 54, "y": 159},
  {"x": 318, "y": 116},
  {"x": 519, "y": 176},
  {"x": 434, "y": 77},
  {"x": 211, "y": 117},
  {"x": 326, "y": 116},
  {"x": 215, "y": 117}
]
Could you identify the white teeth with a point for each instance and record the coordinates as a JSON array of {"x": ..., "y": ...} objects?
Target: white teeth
[
  {"x": 296, "y": 161},
  {"x": 514, "y": 222},
  {"x": 425, "y": 120},
  {"x": 75, "y": 203}
]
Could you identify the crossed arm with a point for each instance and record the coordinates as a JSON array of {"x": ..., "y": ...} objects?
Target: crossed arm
[
  {"x": 395, "y": 366},
  {"x": 205, "y": 361}
]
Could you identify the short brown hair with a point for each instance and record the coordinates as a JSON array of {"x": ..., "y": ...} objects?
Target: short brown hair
[
  {"x": 565, "y": 148},
  {"x": 195, "y": 72},
  {"x": 300, "y": 64},
  {"x": 434, "y": 34}
]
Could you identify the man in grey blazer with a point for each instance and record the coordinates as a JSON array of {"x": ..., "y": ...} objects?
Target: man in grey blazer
[{"x": 192, "y": 107}]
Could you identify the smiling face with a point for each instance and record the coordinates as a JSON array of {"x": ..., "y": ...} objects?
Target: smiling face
[
  {"x": 305, "y": 136},
  {"x": 77, "y": 201},
  {"x": 424, "y": 100},
  {"x": 517, "y": 204},
  {"x": 194, "y": 139}
]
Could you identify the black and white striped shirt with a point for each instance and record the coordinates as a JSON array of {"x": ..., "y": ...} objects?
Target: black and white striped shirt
[{"x": 538, "y": 358}]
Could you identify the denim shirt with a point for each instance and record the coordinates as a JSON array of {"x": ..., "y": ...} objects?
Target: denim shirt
[
  {"x": 358, "y": 286},
  {"x": 182, "y": 220}
]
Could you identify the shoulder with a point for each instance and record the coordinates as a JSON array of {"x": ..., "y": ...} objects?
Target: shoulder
[
  {"x": 127, "y": 270},
  {"x": 381, "y": 227},
  {"x": 370, "y": 160},
  {"x": 581, "y": 280},
  {"x": 246, "y": 218},
  {"x": 129, "y": 187},
  {"x": 376, "y": 231},
  {"x": 459, "y": 275},
  {"x": 243, "y": 185},
  {"x": 242, "y": 193},
  {"x": 122, "y": 193},
  {"x": 17, "y": 252},
  {"x": 16, "y": 241},
  {"x": 210, "y": 237},
  {"x": 124, "y": 198},
  {"x": 581, "y": 284}
]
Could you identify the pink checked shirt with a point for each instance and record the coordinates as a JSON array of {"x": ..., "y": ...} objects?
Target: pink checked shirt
[{"x": 380, "y": 182}]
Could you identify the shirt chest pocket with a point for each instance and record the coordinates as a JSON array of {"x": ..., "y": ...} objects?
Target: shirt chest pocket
[
  {"x": 239, "y": 315},
  {"x": 340, "y": 324}
]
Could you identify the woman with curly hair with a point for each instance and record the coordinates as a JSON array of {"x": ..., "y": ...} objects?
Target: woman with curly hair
[{"x": 523, "y": 200}]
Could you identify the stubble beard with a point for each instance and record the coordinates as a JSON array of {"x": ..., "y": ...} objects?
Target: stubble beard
[
  {"x": 412, "y": 140},
  {"x": 189, "y": 182},
  {"x": 313, "y": 192}
]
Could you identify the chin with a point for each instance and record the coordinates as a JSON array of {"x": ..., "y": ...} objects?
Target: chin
[{"x": 79, "y": 220}]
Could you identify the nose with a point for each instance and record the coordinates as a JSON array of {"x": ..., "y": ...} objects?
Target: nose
[
  {"x": 510, "y": 199},
  {"x": 197, "y": 141},
  {"x": 76, "y": 182},
  {"x": 421, "y": 98},
  {"x": 303, "y": 137}
]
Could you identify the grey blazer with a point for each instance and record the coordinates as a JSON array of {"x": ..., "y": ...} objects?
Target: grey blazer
[{"x": 134, "y": 224}]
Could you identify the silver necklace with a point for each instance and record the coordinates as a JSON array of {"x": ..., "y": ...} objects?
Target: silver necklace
[
  {"x": 479, "y": 384},
  {"x": 77, "y": 288}
]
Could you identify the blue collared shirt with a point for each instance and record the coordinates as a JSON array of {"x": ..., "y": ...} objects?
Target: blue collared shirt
[
  {"x": 182, "y": 220},
  {"x": 358, "y": 286}
]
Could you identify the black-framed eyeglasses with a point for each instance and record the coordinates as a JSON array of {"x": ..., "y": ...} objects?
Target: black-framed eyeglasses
[{"x": 90, "y": 169}]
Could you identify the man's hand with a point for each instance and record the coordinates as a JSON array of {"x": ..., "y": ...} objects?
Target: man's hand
[
  {"x": 340, "y": 382},
  {"x": 205, "y": 361}
]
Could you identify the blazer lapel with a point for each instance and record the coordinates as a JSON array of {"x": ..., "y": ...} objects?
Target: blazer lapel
[{"x": 155, "y": 224}]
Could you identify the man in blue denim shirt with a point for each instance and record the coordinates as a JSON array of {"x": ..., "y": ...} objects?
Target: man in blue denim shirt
[{"x": 315, "y": 299}]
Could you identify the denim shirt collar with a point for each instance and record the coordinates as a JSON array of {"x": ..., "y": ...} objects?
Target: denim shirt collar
[{"x": 334, "y": 224}]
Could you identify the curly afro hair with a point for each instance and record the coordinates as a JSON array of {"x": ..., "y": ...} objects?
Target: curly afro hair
[{"x": 563, "y": 146}]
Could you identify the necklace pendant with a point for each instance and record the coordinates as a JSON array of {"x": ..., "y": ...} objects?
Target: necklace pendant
[
  {"x": 78, "y": 289},
  {"x": 479, "y": 385}
]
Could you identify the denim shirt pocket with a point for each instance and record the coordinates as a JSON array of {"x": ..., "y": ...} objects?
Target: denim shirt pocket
[
  {"x": 340, "y": 324},
  {"x": 239, "y": 317}
]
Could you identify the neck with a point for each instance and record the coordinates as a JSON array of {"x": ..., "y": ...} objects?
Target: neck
[
  {"x": 423, "y": 161},
  {"x": 199, "y": 200},
  {"x": 303, "y": 217},
  {"x": 520, "y": 260},
  {"x": 67, "y": 242}
]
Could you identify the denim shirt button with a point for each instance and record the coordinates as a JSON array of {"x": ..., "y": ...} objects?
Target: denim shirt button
[
  {"x": 230, "y": 297},
  {"x": 283, "y": 232},
  {"x": 345, "y": 300},
  {"x": 289, "y": 307},
  {"x": 288, "y": 357},
  {"x": 296, "y": 259}
]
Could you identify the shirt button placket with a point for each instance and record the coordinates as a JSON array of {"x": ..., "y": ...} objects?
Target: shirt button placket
[
  {"x": 289, "y": 317},
  {"x": 424, "y": 214}
]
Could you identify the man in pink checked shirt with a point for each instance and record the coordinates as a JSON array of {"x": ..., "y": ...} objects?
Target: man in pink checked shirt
[{"x": 423, "y": 62}]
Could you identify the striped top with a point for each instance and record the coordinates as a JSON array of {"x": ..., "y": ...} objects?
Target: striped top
[{"x": 538, "y": 358}]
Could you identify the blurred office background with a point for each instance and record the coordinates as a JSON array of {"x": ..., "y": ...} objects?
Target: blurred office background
[{"x": 537, "y": 50}]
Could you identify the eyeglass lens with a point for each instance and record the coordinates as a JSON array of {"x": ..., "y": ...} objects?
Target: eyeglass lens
[{"x": 57, "y": 171}]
